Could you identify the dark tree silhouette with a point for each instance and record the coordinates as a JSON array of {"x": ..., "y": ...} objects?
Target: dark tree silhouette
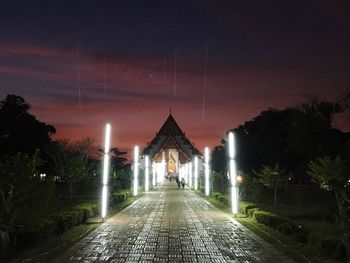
[
  {"x": 19, "y": 130},
  {"x": 290, "y": 137}
]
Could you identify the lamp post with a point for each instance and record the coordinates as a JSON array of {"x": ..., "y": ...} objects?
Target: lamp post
[
  {"x": 105, "y": 171},
  {"x": 233, "y": 173},
  {"x": 207, "y": 168},
  {"x": 153, "y": 174},
  {"x": 146, "y": 173},
  {"x": 190, "y": 174},
  {"x": 136, "y": 170},
  {"x": 195, "y": 172}
]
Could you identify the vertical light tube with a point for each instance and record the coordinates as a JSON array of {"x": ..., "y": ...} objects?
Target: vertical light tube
[
  {"x": 105, "y": 171},
  {"x": 196, "y": 172},
  {"x": 146, "y": 173},
  {"x": 163, "y": 167},
  {"x": 136, "y": 170},
  {"x": 190, "y": 174},
  {"x": 186, "y": 173},
  {"x": 153, "y": 174},
  {"x": 159, "y": 171},
  {"x": 233, "y": 174},
  {"x": 206, "y": 158}
]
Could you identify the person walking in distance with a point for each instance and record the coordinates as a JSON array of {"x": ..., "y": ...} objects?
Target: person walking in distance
[
  {"x": 178, "y": 182},
  {"x": 183, "y": 182}
]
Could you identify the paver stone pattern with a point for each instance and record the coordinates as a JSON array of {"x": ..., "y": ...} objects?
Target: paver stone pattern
[{"x": 171, "y": 225}]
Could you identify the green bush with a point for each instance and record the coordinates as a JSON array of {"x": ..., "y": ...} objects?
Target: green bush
[
  {"x": 216, "y": 195},
  {"x": 55, "y": 223},
  {"x": 245, "y": 206},
  {"x": 269, "y": 219},
  {"x": 88, "y": 210},
  {"x": 251, "y": 211},
  {"x": 67, "y": 219},
  {"x": 119, "y": 197},
  {"x": 290, "y": 228},
  {"x": 222, "y": 198}
]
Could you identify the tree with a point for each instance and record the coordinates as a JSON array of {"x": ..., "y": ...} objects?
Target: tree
[
  {"x": 71, "y": 161},
  {"x": 219, "y": 159},
  {"x": 20, "y": 182},
  {"x": 19, "y": 130},
  {"x": 333, "y": 174},
  {"x": 290, "y": 137},
  {"x": 272, "y": 178},
  {"x": 121, "y": 169}
]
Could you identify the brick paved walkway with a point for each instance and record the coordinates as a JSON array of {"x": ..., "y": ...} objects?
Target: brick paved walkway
[{"x": 171, "y": 225}]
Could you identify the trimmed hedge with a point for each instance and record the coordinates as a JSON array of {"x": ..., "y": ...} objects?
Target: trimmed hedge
[
  {"x": 222, "y": 198},
  {"x": 244, "y": 207},
  {"x": 119, "y": 197},
  {"x": 325, "y": 243},
  {"x": 55, "y": 223},
  {"x": 60, "y": 222},
  {"x": 269, "y": 219}
]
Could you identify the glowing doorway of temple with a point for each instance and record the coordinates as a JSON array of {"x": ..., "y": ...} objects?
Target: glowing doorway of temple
[{"x": 173, "y": 160}]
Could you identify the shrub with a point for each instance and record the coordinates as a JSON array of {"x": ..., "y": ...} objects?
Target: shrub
[
  {"x": 216, "y": 194},
  {"x": 54, "y": 224},
  {"x": 245, "y": 206},
  {"x": 119, "y": 197},
  {"x": 290, "y": 228},
  {"x": 269, "y": 219},
  {"x": 251, "y": 211}
]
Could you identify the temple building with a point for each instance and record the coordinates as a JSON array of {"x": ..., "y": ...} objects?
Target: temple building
[{"x": 170, "y": 151}]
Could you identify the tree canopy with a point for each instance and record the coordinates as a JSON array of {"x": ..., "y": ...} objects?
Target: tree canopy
[
  {"x": 290, "y": 137},
  {"x": 20, "y": 131}
]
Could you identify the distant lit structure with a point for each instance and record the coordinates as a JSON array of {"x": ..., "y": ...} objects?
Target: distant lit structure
[
  {"x": 105, "y": 171},
  {"x": 171, "y": 152}
]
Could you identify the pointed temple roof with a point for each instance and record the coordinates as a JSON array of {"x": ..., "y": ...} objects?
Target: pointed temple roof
[{"x": 170, "y": 135}]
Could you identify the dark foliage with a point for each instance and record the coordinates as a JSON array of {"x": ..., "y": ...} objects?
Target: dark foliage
[
  {"x": 290, "y": 137},
  {"x": 19, "y": 130}
]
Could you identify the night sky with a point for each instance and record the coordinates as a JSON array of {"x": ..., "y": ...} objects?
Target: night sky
[{"x": 216, "y": 64}]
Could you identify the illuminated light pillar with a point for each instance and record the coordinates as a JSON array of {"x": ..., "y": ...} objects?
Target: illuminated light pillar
[
  {"x": 233, "y": 174},
  {"x": 146, "y": 173},
  {"x": 105, "y": 171},
  {"x": 190, "y": 174},
  {"x": 136, "y": 170},
  {"x": 163, "y": 167},
  {"x": 195, "y": 172},
  {"x": 186, "y": 173},
  {"x": 206, "y": 167},
  {"x": 153, "y": 174}
]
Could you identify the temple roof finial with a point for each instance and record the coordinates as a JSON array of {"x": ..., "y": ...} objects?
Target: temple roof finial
[{"x": 170, "y": 110}]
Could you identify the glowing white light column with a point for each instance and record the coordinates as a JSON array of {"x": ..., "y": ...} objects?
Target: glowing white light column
[
  {"x": 153, "y": 174},
  {"x": 136, "y": 170},
  {"x": 163, "y": 167},
  {"x": 190, "y": 174},
  {"x": 206, "y": 164},
  {"x": 233, "y": 174},
  {"x": 105, "y": 171},
  {"x": 195, "y": 173},
  {"x": 186, "y": 173},
  {"x": 146, "y": 173}
]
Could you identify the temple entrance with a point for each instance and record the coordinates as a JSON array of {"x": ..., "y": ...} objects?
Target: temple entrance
[{"x": 172, "y": 161}]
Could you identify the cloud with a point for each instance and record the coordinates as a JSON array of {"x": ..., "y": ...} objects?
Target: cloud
[{"x": 35, "y": 51}]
